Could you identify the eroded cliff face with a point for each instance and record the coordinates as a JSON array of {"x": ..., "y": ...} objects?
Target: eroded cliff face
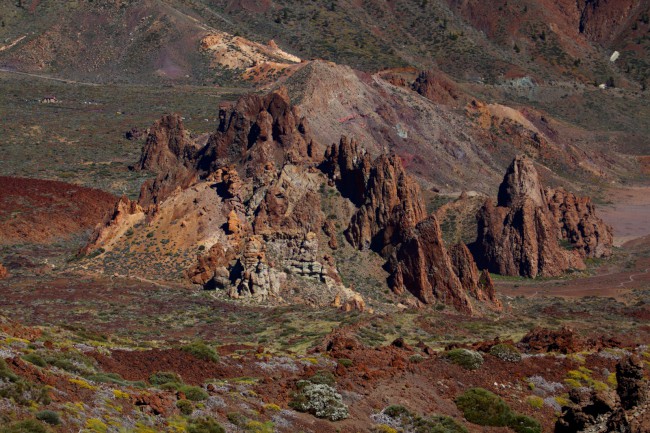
[
  {"x": 527, "y": 231},
  {"x": 252, "y": 201},
  {"x": 391, "y": 219}
]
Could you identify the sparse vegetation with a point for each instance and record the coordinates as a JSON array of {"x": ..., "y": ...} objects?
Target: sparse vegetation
[
  {"x": 469, "y": 359},
  {"x": 482, "y": 407}
]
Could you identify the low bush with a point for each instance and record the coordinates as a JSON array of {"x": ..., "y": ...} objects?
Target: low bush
[
  {"x": 194, "y": 393},
  {"x": 6, "y": 373},
  {"x": 323, "y": 377},
  {"x": 164, "y": 377},
  {"x": 202, "y": 351},
  {"x": 27, "y": 426},
  {"x": 185, "y": 406},
  {"x": 320, "y": 400},
  {"x": 506, "y": 352},
  {"x": 411, "y": 422},
  {"x": 35, "y": 359},
  {"x": 524, "y": 424},
  {"x": 469, "y": 359},
  {"x": 345, "y": 362},
  {"x": 482, "y": 407},
  {"x": 49, "y": 417}
]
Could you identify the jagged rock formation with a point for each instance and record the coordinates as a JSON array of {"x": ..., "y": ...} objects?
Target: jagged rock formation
[
  {"x": 422, "y": 266},
  {"x": 167, "y": 145},
  {"x": 479, "y": 285},
  {"x": 392, "y": 203},
  {"x": 124, "y": 214},
  {"x": 521, "y": 233},
  {"x": 631, "y": 386},
  {"x": 249, "y": 199},
  {"x": 391, "y": 220},
  {"x": 259, "y": 132},
  {"x": 622, "y": 411},
  {"x": 578, "y": 223}
]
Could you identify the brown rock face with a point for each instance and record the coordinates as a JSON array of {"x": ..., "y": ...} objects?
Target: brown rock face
[
  {"x": 632, "y": 387},
  {"x": 422, "y": 266},
  {"x": 540, "y": 340},
  {"x": 578, "y": 223},
  {"x": 391, "y": 220},
  {"x": 623, "y": 411},
  {"x": 521, "y": 234},
  {"x": 436, "y": 87},
  {"x": 106, "y": 230},
  {"x": 392, "y": 204},
  {"x": 256, "y": 131},
  {"x": 4, "y": 273},
  {"x": 479, "y": 286},
  {"x": 167, "y": 146}
]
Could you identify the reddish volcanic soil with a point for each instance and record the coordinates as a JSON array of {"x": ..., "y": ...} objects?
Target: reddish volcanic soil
[{"x": 34, "y": 210}]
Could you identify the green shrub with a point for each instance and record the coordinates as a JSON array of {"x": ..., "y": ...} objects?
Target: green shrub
[
  {"x": 469, "y": 359},
  {"x": 27, "y": 426},
  {"x": 416, "y": 359},
  {"x": 320, "y": 400},
  {"x": 323, "y": 377},
  {"x": 6, "y": 373},
  {"x": 72, "y": 362},
  {"x": 524, "y": 424},
  {"x": 49, "y": 417},
  {"x": 202, "y": 351},
  {"x": 535, "y": 401},
  {"x": 396, "y": 411},
  {"x": 35, "y": 359},
  {"x": 506, "y": 352},
  {"x": 194, "y": 393},
  {"x": 164, "y": 377},
  {"x": 345, "y": 362},
  {"x": 185, "y": 406},
  {"x": 411, "y": 422},
  {"x": 480, "y": 406}
]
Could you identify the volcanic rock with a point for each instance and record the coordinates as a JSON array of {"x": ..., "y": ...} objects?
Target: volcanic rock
[
  {"x": 422, "y": 266},
  {"x": 519, "y": 235},
  {"x": 392, "y": 204},
  {"x": 115, "y": 224},
  {"x": 541, "y": 340},
  {"x": 436, "y": 87},
  {"x": 167, "y": 145},
  {"x": 349, "y": 165},
  {"x": 578, "y": 223},
  {"x": 256, "y": 131},
  {"x": 631, "y": 388},
  {"x": 479, "y": 286}
]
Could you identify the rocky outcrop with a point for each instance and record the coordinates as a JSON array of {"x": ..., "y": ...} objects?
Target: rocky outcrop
[
  {"x": 348, "y": 165},
  {"x": 422, "y": 266},
  {"x": 478, "y": 285},
  {"x": 124, "y": 214},
  {"x": 167, "y": 145},
  {"x": 521, "y": 233},
  {"x": 391, "y": 220},
  {"x": 392, "y": 204},
  {"x": 578, "y": 223},
  {"x": 605, "y": 410},
  {"x": 4, "y": 273},
  {"x": 631, "y": 387},
  {"x": 258, "y": 131},
  {"x": 542, "y": 340},
  {"x": 436, "y": 87}
]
